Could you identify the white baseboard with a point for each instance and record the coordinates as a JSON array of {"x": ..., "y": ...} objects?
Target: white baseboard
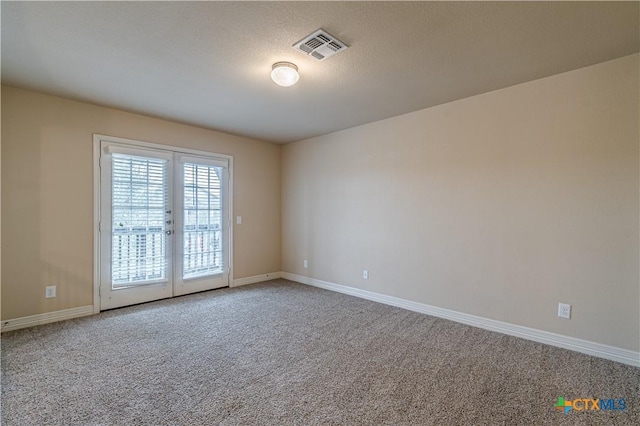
[
  {"x": 612, "y": 353},
  {"x": 256, "y": 279},
  {"x": 31, "y": 320},
  {"x": 39, "y": 319}
]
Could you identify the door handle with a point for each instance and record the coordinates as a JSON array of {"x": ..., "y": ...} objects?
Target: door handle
[{"x": 168, "y": 232}]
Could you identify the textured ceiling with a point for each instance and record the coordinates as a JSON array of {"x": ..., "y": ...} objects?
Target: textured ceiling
[{"x": 208, "y": 63}]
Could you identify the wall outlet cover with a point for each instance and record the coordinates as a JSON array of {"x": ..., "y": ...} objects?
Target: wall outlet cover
[
  {"x": 564, "y": 310},
  {"x": 50, "y": 291}
]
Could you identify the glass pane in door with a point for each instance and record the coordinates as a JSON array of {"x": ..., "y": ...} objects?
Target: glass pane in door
[
  {"x": 139, "y": 228},
  {"x": 202, "y": 222}
]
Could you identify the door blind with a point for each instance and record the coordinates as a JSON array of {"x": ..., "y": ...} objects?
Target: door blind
[
  {"x": 140, "y": 203},
  {"x": 202, "y": 220}
]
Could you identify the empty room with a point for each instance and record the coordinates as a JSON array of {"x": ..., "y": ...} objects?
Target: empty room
[{"x": 265, "y": 213}]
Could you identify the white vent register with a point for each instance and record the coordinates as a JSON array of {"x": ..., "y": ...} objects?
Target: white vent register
[{"x": 320, "y": 45}]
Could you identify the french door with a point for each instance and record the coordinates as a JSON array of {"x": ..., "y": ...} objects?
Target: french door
[{"x": 164, "y": 223}]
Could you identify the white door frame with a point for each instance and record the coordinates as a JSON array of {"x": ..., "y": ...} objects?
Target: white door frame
[{"x": 97, "y": 139}]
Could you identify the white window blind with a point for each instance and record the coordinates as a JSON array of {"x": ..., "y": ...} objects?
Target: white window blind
[
  {"x": 140, "y": 201},
  {"x": 202, "y": 220}
]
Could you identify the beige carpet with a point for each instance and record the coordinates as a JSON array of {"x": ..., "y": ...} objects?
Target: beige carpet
[{"x": 284, "y": 353}]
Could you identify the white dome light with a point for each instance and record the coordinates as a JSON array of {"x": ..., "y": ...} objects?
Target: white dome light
[{"x": 284, "y": 74}]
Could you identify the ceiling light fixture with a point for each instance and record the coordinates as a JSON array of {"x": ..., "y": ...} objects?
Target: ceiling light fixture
[{"x": 284, "y": 74}]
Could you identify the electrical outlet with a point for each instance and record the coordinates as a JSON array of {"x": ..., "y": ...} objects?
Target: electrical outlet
[
  {"x": 365, "y": 274},
  {"x": 50, "y": 291},
  {"x": 305, "y": 263},
  {"x": 564, "y": 310}
]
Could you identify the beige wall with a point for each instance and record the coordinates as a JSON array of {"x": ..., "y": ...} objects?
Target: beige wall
[
  {"x": 500, "y": 205},
  {"x": 0, "y": 205},
  {"x": 47, "y": 195}
]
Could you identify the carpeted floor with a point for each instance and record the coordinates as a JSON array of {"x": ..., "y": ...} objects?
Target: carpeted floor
[{"x": 285, "y": 353}]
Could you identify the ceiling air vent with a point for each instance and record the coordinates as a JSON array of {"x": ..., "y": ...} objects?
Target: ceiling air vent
[{"x": 320, "y": 45}]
